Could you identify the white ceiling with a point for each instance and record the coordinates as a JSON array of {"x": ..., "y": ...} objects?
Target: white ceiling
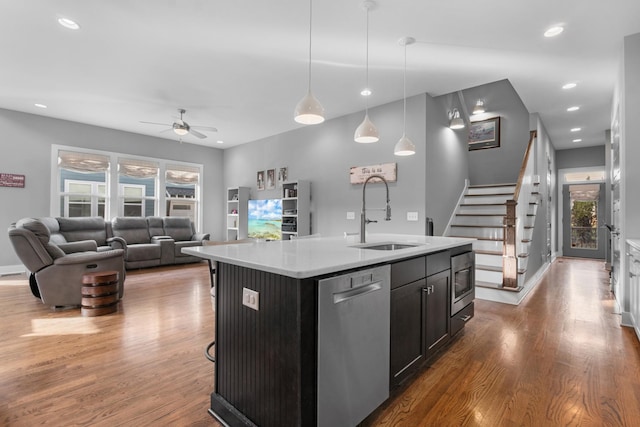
[{"x": 241, "y": 66}]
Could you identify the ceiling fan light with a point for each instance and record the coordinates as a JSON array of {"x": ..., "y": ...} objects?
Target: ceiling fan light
[
  {"x": 366, "y": 132},
  {"x": 180, "y": 131},
  {"x": 404, "y": 147},
  {"x": 309, "y": 111}
]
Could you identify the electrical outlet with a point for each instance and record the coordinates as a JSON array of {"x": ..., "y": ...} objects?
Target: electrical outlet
[
  {"x": 412, "y": 216},
  {"x": 351, "y": 215},
  {"x": 251, "y": 299}
]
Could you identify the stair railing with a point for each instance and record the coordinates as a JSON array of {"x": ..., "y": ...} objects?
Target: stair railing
[{"x": 515, "y": 218}]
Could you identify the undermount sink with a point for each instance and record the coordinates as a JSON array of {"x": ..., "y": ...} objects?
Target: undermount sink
[{"x": 386, "y": 246}]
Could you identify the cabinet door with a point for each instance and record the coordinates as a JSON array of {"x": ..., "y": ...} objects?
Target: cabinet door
[
  {"x": 437, "y": 311},
  {"x": 407, "y": 330}
]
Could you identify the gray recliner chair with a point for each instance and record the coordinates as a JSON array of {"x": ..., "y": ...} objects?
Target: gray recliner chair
[{"x": 58, "y": 275}]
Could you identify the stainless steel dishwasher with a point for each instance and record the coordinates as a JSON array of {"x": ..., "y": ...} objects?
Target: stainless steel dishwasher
[{"x": 353, "y": 345}]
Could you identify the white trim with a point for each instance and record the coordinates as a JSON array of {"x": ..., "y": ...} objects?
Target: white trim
[
  {"x": 509, "y": 297},
  {"x": 560, "y": 204},
  {"x": 10, "y": 270},
  {"x": 447, "y": 230}
]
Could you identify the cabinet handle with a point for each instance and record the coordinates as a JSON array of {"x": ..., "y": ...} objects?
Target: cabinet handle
[
  {"x": 427, "y": 290},
  {"x": 465, "y": 318}
]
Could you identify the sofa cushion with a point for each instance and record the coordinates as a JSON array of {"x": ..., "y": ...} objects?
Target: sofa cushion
[
  {"x": 179, "y": 228},
  {"x": 36, "y": 227},
  {"x": 155, "y": 226},
  {"x": 85, "y": 228},
  {"x": 54, "y": 230},
  {"x": 143, "y": 252},
  {"x": 133, "y": 230}
]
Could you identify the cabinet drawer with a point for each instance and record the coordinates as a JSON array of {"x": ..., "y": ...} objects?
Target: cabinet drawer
[
  {"x": 438, "y": 262},
  {"x": 408, "y": 271},
  {"x": 460, "y": 318}
]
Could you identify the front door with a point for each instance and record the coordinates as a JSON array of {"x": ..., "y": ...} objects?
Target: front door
[{"x": 583, "y": 214}]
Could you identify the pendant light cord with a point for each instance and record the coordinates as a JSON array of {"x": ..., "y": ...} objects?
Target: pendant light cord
[
  {"x": 404, "y": 91},
  {"x": 366, "y": 98},
  {"x": 310, "y": 23}
]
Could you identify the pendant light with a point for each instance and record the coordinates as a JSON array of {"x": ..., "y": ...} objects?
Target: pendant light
[
  {"x": 309, "y": 111},
  {"x": 367, "y": 131},
  {"x": 405, "y": 147}
]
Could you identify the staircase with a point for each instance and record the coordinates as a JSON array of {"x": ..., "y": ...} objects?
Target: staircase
[
  {"x": 481, "y": 215},
  {"x": 502, "y": 218}
]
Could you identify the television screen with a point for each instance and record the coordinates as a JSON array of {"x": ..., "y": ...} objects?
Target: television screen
[{"x": 265, "y": 219}]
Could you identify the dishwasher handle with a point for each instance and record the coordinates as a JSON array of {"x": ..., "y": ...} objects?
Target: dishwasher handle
[{"x": 349, "y": 294}]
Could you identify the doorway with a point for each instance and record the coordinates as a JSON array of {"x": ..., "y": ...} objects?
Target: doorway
[{"x": 583, "y": 214}]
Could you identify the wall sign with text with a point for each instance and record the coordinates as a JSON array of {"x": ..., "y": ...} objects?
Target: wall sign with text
[
  {"x": 11, "y": 180},
  {"x": 359, "y": 174}
]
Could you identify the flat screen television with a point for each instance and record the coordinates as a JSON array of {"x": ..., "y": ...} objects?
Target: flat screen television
[{"x": 265, "y": 219}]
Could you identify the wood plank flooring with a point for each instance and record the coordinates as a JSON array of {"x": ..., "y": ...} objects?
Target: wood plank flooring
[
  {"x": 561, "y": 358},
  {"x": 558, "y": 359}
]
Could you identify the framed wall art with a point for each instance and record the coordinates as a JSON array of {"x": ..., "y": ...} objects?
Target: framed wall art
[{"x": 484, "y": 134}]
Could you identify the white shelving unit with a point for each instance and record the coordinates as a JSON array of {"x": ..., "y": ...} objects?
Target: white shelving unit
[
  {"x": 237, "y": 215},
  {"x": 296, "y": 202}
]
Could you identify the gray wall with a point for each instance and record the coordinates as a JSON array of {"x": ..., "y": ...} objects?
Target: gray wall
[
  {"x": 324, "y": 153},
  {"x": 27, "y": 141},
  {"x": 581, "y": 157},
  {"x": 502, "y": 164}
]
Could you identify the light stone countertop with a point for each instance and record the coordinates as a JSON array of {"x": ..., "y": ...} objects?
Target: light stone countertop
[{"x": 304, "y": 258}]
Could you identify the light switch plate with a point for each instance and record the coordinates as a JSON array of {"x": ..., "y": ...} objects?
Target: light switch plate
[
  {"x": 251, "y": 299},
  {"x": 412, "y": 216},
  {"x": 351, "y": 215}
]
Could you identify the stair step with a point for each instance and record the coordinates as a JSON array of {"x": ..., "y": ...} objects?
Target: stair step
[
  {"x": 478, "y": 225},
  {"x": 493, "y": 185},
  {"x": 496, "y": 269},
  {"x": 479, "y": 214},
  {"x": 491, "y": 239},
  {"x": 496, "y": 286},
  {"x": 484, "y": 252},
  {"x": 482, "y": 204},
  {"x": 487, "y": 194}
]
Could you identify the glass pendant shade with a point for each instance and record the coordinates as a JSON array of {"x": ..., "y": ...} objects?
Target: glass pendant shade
[
  {"x": 309, "y": 111},
  {"x": 404, "y": 147},
  {"x": 366, "y": 132}
]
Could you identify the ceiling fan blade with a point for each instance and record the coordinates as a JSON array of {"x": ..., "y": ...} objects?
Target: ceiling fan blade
[
  {"x": 209, "y": 128},
  {"x": 196, "y": 133},
  {"x": 154, "y": 123}
]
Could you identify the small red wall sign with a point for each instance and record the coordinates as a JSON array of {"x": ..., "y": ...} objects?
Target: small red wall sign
[{"x": 11, "y": 180}]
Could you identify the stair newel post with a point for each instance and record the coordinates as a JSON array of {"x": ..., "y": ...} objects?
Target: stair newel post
[{"x": 509, "y": 256}]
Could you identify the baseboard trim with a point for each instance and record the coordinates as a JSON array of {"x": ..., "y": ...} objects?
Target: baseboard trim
[{"x": 9, "y": 270}]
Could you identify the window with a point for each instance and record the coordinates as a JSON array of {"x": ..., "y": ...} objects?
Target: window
[
  {"x": 138, "y": 180},
  {"x": 83, "y": 181},
  {"x": 96, "y": 183},
  {"x": 182, "y": 190}
]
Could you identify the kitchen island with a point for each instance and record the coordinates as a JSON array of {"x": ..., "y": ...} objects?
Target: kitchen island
[{"x": 283, "y": 353}]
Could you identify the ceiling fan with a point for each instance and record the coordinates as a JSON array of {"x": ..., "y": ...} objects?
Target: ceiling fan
[{"x": 181, "y": 128}]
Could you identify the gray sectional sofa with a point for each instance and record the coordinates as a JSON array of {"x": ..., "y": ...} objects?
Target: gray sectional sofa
[{"x": 147, "y": 242}]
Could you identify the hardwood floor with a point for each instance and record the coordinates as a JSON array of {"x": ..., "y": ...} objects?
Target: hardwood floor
[
  {"x": 561, "y": 358},
  {"x": 558, "y": 359},
  {"x": 142, "y": 366}
]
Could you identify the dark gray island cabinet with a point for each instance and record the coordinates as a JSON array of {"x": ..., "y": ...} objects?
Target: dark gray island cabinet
[{"x": 279, "y": 361}]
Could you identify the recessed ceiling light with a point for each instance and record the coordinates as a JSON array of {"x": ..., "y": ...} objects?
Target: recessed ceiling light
[
  {"x": 365, "y": 92},
  {"x": 68, "y": 23},
  {"x": 569, "y": 86},
  {"x": 220, "y": 141},
  {"x": 553, "y": 31},
  {"x": 40, "y": 105},
  {"x": 576, "y": 129},
  {"x": 574, "y": 108},
  {"x": 577, "y": 140}
]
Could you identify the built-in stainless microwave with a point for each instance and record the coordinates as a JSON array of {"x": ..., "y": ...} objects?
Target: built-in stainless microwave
[{"x": 463, "y": 281}]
